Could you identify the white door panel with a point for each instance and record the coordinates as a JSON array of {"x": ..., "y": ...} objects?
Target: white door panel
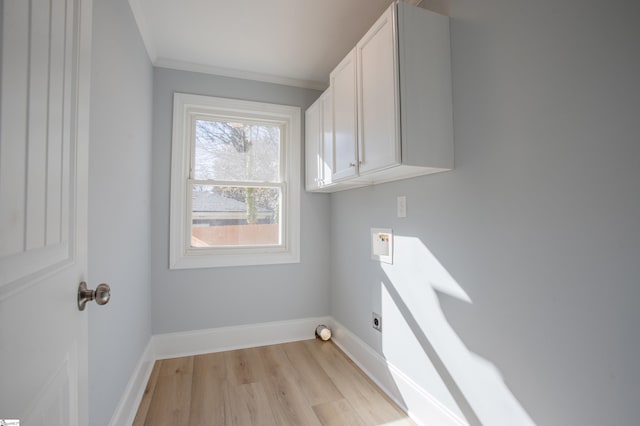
[
  {"x": 44, "y": 82},
  {"x": 345, "y": 137},
  {"x": 378, "y": 118}
]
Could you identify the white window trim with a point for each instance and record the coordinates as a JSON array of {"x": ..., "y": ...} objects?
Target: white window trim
[{"x": 181, "y": 256}]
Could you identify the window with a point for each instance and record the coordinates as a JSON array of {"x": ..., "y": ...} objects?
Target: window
[{"x": 235, "y": 183}]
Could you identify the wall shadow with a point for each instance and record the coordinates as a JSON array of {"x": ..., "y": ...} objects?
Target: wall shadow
[
  {"x": 433, "y": 356},
  {"x": 411, "y": 311}
]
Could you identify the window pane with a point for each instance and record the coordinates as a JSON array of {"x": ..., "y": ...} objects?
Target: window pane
[
  {"x": 224, "y": 216},
  {"x": 236, "y": 151}
]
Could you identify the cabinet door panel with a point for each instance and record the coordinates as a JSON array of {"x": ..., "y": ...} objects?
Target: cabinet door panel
[
  {"x": 343, "y": 93},
  {"x": 326, "y": 146},
  {"x": 378, "y": 116},
  {"x": 312, "y": 146}
]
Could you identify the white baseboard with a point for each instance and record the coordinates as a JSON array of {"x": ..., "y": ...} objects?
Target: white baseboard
[
  {"x": 173, "y": 345},
  {"x": 130, "y": 401},
  {"x": 422, "y": 407},
  {"x": 419, "y": 404}
]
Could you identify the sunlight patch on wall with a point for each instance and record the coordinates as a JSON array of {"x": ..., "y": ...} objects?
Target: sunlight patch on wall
[{"x": 419, "y": 341}]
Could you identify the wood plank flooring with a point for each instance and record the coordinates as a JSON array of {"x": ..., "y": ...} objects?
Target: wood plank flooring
[{"x": 302, "y": 383}]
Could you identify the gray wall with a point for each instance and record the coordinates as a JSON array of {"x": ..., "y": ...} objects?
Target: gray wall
[
  {"x": 539, "y": 223},
  {"x": 215, "y": 297},
  {"x": 119, "y": 206}
]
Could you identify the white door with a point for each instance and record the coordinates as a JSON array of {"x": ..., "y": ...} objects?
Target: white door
[{"x": 44, "y": 112}]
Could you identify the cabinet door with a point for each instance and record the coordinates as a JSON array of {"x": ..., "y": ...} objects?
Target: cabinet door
[
  {"x": 312, "y": 139},
  {"x": 378, "y": 102},
  {"x": 326, "y": 146},
  {"x": 343, "y": 94}
]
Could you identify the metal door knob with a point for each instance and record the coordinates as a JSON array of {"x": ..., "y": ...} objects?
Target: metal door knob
[{"x": 101, "y": 295}]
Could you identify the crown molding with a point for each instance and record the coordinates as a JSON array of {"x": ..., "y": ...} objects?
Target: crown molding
[{"x": 234, "y": 73}]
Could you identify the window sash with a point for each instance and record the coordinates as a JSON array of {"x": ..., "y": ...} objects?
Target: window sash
[
  {"x": 238, "y": 183},
  {"x": 282, "y": 214},
  {"x": 191, "y": 135}
]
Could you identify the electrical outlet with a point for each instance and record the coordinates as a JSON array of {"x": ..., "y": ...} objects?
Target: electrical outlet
[{"x": 376, "y": 321}]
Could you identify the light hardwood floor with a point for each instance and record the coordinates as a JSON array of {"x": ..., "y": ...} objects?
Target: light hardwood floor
[{"x": 302, "y": 383}]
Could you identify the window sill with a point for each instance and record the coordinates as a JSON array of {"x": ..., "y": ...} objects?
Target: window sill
[{"x": 206, "y": 260}]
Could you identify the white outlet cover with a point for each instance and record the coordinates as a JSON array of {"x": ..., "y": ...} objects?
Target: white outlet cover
[{"x": 382, "y": 245}]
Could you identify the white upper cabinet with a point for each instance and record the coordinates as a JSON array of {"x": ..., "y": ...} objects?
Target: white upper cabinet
[
  {"x": 390, "y": 103},
  {"x": 343, "y": 94},
  {"x": 377, "y": 87},
  {"x": 326, "y": 149},
  {"x": 319, "y": 147},
  {"x": 319, "y": 143},
  {"x": 426, "y": 112},
  {"x": 312, "y": 146}
]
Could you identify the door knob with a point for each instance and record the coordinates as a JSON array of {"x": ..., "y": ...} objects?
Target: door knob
[{"x": 101, "y": 295}]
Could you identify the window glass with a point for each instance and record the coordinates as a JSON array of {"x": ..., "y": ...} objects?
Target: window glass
[
  {"x": 233, "y": 151},
  {"x": 234, "y": 216}
]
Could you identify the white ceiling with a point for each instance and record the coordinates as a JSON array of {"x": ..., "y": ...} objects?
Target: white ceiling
[{"x": 295, "y": 42}]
